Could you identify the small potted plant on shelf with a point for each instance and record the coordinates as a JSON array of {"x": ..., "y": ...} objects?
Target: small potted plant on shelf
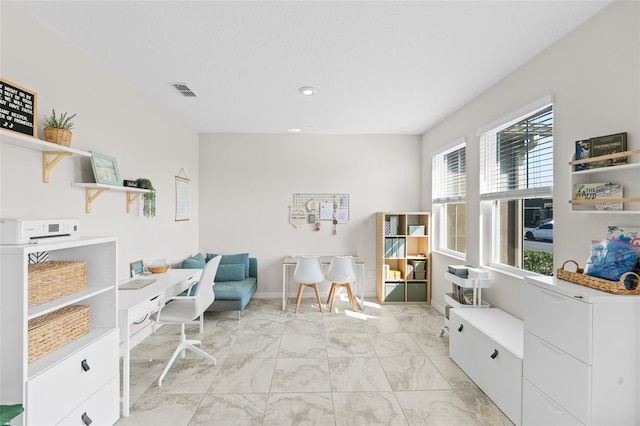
[
  {"x": 149, "y": 198},
  {"x": 57, "y": 128}
]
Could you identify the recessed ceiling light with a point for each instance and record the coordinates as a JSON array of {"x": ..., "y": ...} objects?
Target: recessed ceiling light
[
  {"x": 295, "y": 130},
  {"x": 307, "y": 90}
]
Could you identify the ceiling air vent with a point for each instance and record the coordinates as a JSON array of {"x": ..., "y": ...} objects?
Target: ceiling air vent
[{"x": 183, "y": 89}]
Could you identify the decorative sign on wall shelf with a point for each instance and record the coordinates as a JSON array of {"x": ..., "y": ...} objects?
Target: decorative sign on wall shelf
[
  {"x": 312, "y": 208},
  {"x": 17, "y": 108}
]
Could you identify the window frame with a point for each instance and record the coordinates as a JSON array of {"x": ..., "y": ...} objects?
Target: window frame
[
  {"x": 440, "y": 203},
  {"x": 489, "y": 237}
]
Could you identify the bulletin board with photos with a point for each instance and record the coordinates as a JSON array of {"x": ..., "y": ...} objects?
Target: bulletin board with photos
[{"x": 312, "y": 208}]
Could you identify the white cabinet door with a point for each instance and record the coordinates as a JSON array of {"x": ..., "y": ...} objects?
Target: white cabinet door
[
  {"x": 52, "y": 394},
  {"x": 100, "y": 409},
  {"x": 560, "y": 320},
  {"x": 562, "y": 377},
  {"x": 493, "y": 367},
  {"x": 540, "y": 410}
]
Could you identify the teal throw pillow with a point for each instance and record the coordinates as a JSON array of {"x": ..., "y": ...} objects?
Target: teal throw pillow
[
  {"x": 230, "y": 259},
  {"x": 231, "y": 272},
  {"x": 194, "y": 262}
]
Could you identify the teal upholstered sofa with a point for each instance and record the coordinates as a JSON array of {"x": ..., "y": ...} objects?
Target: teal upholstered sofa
[{"x": 236, "y": 280}]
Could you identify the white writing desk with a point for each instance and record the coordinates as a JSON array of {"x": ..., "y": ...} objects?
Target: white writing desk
[
  {"x": 289, "y": 263},
  {"x": 135, "y": 304}
]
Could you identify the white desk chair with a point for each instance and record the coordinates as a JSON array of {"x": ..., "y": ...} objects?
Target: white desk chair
[
  {"x": 308, "y": 273},
  {"x": 342, "y": 272},
  {"x": 184, "y": 309}
]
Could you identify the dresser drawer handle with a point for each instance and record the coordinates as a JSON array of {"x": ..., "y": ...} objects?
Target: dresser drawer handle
[
  {"x": 460, "y": 328},
  {"x": 86, "y": 419},
  {"x": 85, "y": 365},
  {"x": 494, "y": 354}
]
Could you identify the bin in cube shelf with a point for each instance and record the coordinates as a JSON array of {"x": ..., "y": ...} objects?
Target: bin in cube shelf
[
  {"x": 416, "y": 230},
  {"x": 51, "y": 280},
  {"x": 55, "y": 329},
  {"x": 419, "y": 265},
  {"x": 394, "y": 292},
  {"x": 420, "y": 275},
  {"x": 416, "y": 292}
]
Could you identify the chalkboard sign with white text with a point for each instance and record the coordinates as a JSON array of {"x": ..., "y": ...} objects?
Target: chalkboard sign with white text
[{"x": 17, "y": 108}]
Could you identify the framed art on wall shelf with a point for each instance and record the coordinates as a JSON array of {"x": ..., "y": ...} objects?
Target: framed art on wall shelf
[{"x": 105, "y": 169}]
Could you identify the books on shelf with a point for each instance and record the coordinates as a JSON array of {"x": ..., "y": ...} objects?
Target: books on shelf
[
  {"x": 600, "y": 146},
  {"x": 609, "y": 144},
  {"x": 597, "y": 191},
  {"x": 464, "y": 296},
  {"x": 583, "y": 151},
  {"x": 394, "y": 247},
  {"x": 611, "y": 190}
]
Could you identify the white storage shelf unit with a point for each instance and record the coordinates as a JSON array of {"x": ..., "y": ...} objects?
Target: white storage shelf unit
[
  {"x": 449, "y": 298},
  {"x": 625, "y": 174},
  {"x": 581, "y": 355},
  {"x": 476, "y": 284},
  {"x": 44, "y": 387}
]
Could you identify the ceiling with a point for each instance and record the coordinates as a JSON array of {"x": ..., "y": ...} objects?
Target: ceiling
[{"x": 379, "y": 67}]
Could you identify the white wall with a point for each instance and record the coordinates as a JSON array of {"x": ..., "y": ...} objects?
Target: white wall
[
  {"x": 594, "y": 74},
  {"x": 248, "y": 182},
  {"x": 112, "y": 119}
]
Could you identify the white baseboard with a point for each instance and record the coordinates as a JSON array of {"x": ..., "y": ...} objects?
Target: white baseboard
[{"x": 306, "y": 294}]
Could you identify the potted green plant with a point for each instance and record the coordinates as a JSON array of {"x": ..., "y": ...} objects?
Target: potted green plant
[
  {"x": 148, "y": 198},
  {"x": 57, "y": 128}
]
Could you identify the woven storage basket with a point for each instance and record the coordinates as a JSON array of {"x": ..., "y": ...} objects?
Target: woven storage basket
[
  {"x": 57, "y": 136},
  {"x": 614, "y": 287},
  {"x": 158, "y": 269},
  {"x": 54, "y": 330},
  {"x": 51, "y": 280}
]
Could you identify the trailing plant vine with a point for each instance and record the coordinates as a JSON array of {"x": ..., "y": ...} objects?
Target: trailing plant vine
[{"x": 149, "y": 198}]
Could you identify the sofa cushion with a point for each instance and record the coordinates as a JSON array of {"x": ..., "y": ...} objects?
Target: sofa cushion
[
  {"x": 228, "y": 259},
  {"x": 232, "y": 290},
  {"x": 231, "y": 272},
  {"x": 194, "y": 262}
]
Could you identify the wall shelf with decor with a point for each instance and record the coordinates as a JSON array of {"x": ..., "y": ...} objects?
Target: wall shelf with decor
[
  {"x": 93, "y": 191},
  {"x": 403, "y": 257},
  {"x": 631, "y": 204},
  {"x": 59, "y": 331},
  {"x": 51, "y": 153}
]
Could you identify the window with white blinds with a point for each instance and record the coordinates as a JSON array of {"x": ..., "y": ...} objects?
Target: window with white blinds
[
  {"x": 450, "y": 175},
  {"x": 516, "y": 158},
  {"x": 449, "y": 189}
]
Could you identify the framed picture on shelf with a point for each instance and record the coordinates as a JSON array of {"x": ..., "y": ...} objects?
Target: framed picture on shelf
[
  {"x": 105, "y": 169},
  {"x": 136, "y": 268}
]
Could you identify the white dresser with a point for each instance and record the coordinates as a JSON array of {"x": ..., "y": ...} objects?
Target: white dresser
[
  {"x": 487, "y": 344},
  {"x": 78, "y": 383},
  {"x": 581, "y": 355}
]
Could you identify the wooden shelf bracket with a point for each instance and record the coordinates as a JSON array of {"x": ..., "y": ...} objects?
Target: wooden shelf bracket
[
  {"x": 91, "y": 195},
  {"x": 49, "y": 160},
  {"x": 131, "y": 197}
]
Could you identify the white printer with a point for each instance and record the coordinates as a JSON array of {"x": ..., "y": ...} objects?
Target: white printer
[{"x": 35, "y": 230}]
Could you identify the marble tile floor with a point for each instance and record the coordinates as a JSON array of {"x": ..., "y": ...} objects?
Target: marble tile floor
[{"x": 384, "y": 365}]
